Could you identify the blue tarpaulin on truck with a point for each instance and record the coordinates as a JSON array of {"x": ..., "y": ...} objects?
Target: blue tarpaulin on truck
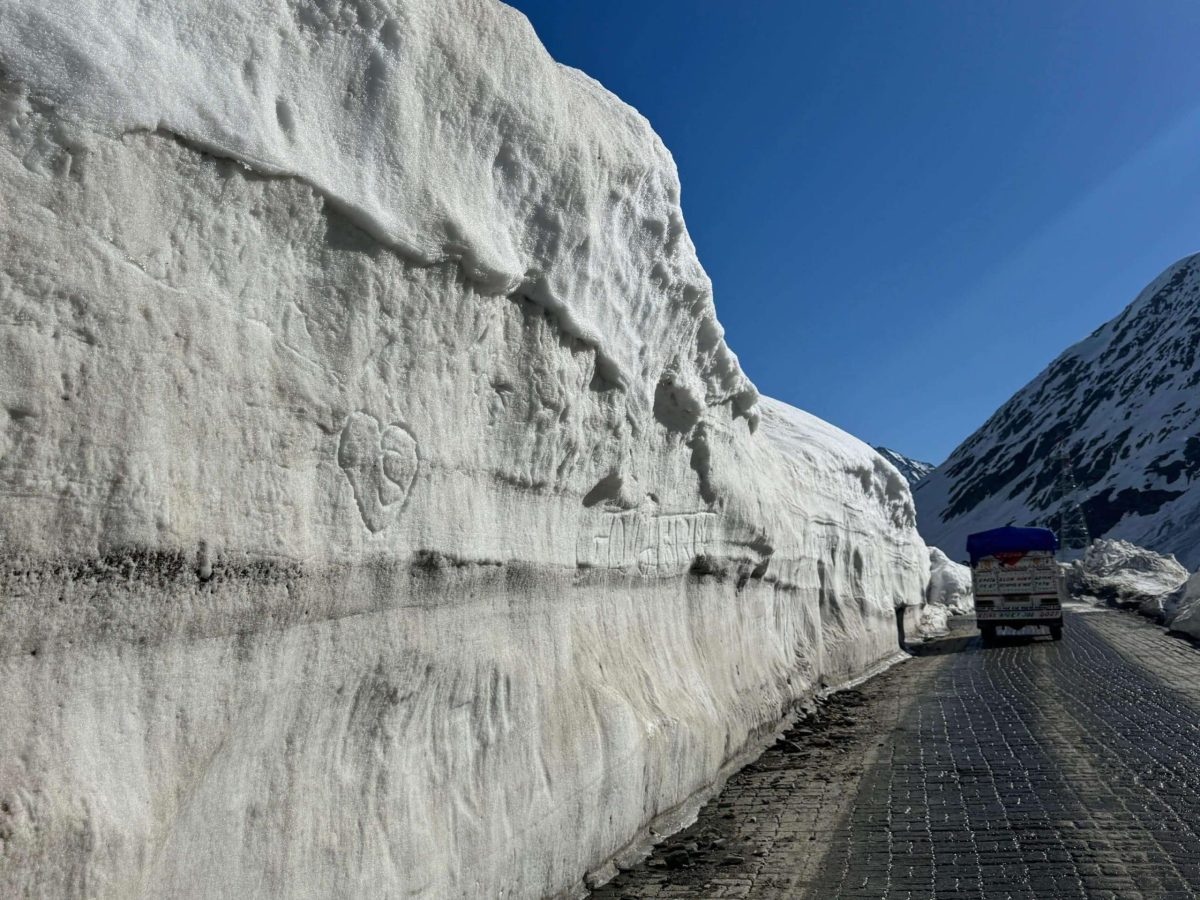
[{"x": 1009, "y": 540}]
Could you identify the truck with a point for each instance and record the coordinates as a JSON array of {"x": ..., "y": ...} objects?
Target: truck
[{"x": 1016, "y": 581}]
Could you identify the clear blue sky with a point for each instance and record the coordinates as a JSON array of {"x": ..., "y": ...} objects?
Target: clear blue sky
[{"x": 909, "y": 208}]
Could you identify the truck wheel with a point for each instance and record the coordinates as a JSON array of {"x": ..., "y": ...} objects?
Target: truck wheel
[
  {"x": 1056, "y": 632},
  {"x": 988, "y": 634}
]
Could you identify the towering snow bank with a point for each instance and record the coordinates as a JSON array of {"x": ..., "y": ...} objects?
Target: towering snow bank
[
  {"x": 858, "y": 509},
  {"x": 381, "y": 511}
]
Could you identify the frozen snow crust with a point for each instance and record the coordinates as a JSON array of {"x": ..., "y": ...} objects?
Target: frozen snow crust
[{"x": 381, "y": 512}]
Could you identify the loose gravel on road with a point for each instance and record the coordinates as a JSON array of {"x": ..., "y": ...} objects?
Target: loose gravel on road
[{"x": 1028, "y": 770}]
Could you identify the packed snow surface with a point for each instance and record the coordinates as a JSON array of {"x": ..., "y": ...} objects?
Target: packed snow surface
[
  {"x": 381, "y": 510},
  {"x": 1123, "y": 404}
]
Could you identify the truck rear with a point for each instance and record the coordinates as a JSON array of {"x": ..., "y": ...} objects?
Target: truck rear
[{"x": 1016, "y": 581}]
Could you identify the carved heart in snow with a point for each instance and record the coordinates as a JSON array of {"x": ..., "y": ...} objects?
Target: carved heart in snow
[{"x": 381, "y": 464}]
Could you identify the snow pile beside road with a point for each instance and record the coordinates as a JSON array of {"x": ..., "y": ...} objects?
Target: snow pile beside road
[
  {"x": 933, "y": 621},
  {"x": 949, "y": 584},
  {"x": 948, "y": 594},
  {"x": 1126, "y": 575},
  {"x": 382, "y": 512},
  {"x": 1184, "y": 608}
]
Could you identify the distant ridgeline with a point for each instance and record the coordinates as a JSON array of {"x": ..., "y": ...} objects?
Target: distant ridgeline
[
  {"x": 912, "y": 469},
  {"x": 1118, "y": 411}
]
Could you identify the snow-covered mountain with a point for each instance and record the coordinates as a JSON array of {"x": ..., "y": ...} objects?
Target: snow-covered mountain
[
  {"x": 1125, "y": 405},
  {"x": 912, "y": 469}
]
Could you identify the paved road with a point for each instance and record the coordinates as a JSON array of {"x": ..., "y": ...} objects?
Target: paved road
[{"x": 1029, "y": 770}]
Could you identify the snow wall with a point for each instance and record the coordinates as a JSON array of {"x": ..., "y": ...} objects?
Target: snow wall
[{"x": 381, "y": 510}]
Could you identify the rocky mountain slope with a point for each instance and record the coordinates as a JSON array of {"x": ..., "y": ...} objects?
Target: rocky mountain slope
[
  {"x": 382, "y": 512},
  {"x": 1123, "y": 403},
  {"x": 913, "y": 470}
]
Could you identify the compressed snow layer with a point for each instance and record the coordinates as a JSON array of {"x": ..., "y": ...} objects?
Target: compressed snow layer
[
  {"x": 334, "y": 567},
  {"x": 1127, "y": 575},
  {"x": 950, "y": 584},
  {"x": 444, "y": 130},
  {"x": 501, "y": 746}
]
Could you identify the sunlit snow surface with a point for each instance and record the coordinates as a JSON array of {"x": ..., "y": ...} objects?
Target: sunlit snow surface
[{"x": 481, "y": 149}]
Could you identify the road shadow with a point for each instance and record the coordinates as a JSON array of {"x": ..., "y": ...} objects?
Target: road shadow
[
  {"x": 961, "y": 636},
  {"x": 1017, "y": 640}
]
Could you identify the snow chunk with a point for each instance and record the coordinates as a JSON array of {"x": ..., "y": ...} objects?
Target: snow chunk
[
  {"x": 1183, "y": 615},
  {"x": 1127, "y": 575},
  {"x": 934, "y": 621},
  {"x": 949, "y": 584}
]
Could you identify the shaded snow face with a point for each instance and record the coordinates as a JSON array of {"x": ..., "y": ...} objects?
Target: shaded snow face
[{"x": 1124, "y": 402}]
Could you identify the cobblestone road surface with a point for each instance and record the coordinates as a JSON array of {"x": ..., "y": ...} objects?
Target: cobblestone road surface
[{"x": 1029, "y": 770}]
